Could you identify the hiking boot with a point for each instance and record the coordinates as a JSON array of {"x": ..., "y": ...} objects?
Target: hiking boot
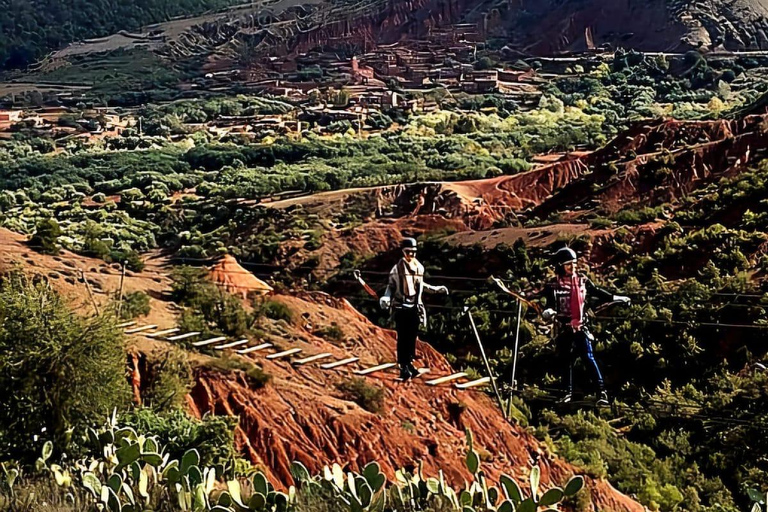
[
  {"x": 567, "y": 398},
  {"x": 413, "y": 371},
  {"x": 602, "y": 399}
]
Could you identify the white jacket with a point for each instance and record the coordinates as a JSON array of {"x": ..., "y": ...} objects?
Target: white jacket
[{"x": 398, "y": 298}]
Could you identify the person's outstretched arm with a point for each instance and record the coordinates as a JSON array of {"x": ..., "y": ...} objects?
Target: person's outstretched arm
[
  {"x": 603, "y": 295},
  {"x": 434, "y": 289}
]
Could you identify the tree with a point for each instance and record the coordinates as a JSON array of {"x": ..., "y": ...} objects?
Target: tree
[
  {"x": 208, "y": 306},
  {"x": 59, "y": 370},
  {"x": 46, "y": 236},
  {"x": 484, "y": 63},
  {"x": 135, "y": 304}
]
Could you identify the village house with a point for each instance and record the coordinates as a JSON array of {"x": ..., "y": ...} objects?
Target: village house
[{"x": 10, "y": 116}]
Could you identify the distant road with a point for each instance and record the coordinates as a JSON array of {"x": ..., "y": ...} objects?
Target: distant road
[{"x": 608, "y": 56}]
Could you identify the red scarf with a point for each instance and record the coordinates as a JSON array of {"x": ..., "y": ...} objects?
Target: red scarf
[{"x": 577, "y": 299}]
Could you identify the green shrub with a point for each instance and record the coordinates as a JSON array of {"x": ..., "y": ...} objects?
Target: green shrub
[
  {"x": 213, "y": 436},
  {"x": 257, "y": 377},
  {"x": 46, "y": 237},
  {"x": 601, "y": 222},
  {"x": 59, "y": 370},
  {"x": 188, "y": 284},
  {"x": 167, "y": 380},
  {"x": 130, "y": 258},
  {"x": 209, "y": 308},
  {"x": 135, "y": 304},
  {"x": 276, "y": 310},
  {"x": 367, "y": 396},
  {"x": 331, "y": 332}
]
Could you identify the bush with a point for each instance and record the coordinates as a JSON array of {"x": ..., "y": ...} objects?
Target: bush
[
  {"x": 189, "y": 284},
  {"x": 135, "y": 304},
  {"x": 331, "y": 332},
  {"x": 59, "y": 371},
  {"x": 210, "y": 308},
  {"x": 601, "y": 222},
  {"x": 370, "y": 398},
  {"x": 131, "y": 258},
  {"x": 256, "y": 377},
  {"x": 167, "y": 380},
  {"x": 46, "y": 237},
  {"x": 276, "y": 311},
  {"x": 213, "y": 437}
]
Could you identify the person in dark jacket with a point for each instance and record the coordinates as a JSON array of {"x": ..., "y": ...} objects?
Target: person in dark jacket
[
  {"x": 404, "y": 298},
  {"x": 566, "y": 299}
]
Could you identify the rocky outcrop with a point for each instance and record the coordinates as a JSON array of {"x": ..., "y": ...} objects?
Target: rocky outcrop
[
  {"x": 652, "y": 163},
  {"x": 301, "y": 416},
  {"x": 550, "y": 26},
  {"x": 540, "y": 28},
  {"x": 287, "y": 29}
]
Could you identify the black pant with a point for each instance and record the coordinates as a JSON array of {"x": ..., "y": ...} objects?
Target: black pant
[
  {"x": 578, "y": 344},
  {"x": 407, "y": 326}
]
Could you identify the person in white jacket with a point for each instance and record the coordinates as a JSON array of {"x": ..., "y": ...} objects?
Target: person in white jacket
[{"x": 404, "y": 298}]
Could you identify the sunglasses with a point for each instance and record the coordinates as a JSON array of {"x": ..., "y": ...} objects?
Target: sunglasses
[{"x": 410, "y": 252}]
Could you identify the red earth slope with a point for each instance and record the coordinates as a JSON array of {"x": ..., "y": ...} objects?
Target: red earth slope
[{"x": 301, "y": 415}]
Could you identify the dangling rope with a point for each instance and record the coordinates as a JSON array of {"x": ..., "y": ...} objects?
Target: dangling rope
[
  {"x": 516, "y": 295},
  {"x": 368, "y": 289}
]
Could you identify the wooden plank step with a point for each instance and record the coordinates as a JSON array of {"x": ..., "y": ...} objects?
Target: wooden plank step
[
  {"x": 183, "y": 336},
  {"x": 335, "y": 364},
  {"x": 162, "y": 333},
  {"x": 313, "y": 358},
  {"x": 284, "y": 353},
  {"x": 139, "y": 329},
  {"x": 373, "y": 369},
  {"x": 472, "y": 384},
  {"x": 232, "y": 344},
  {"x": 447, "y": 378},
  {"x": 209, "y": 341},
  {"x": 126, "y": 324},
  {"x": 254, "y": 349}
]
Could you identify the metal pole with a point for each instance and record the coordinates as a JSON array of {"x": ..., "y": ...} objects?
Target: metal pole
[
  {"x": 122, "y": 282},
  {"x": 485, "y": 359},
  {"x": 90, "y": 292},
  {"x": 514, "y": 361}
]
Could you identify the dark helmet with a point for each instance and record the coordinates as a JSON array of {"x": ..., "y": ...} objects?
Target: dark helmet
[
  {"x": 563, "y": 256},
  {"x": 408, "y": 243}
]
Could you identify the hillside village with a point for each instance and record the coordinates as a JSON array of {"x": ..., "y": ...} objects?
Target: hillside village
[{"x": 401, "y": 77}]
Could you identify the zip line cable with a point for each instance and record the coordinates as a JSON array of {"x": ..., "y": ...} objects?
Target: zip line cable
[
  {"x": 690, "y": 323},
  {"x": 650, "y": 405},
  {"x": 337, "y": 270},
  {"x": 156, "y": 274}
]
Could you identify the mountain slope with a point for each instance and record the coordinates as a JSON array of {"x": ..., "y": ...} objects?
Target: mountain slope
[
  {"x": 31, "y": 28},
  {"x": 251, "y": 31},
  {"x": 655, "y": 25},
  {"x": 301, "y": 415}
]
